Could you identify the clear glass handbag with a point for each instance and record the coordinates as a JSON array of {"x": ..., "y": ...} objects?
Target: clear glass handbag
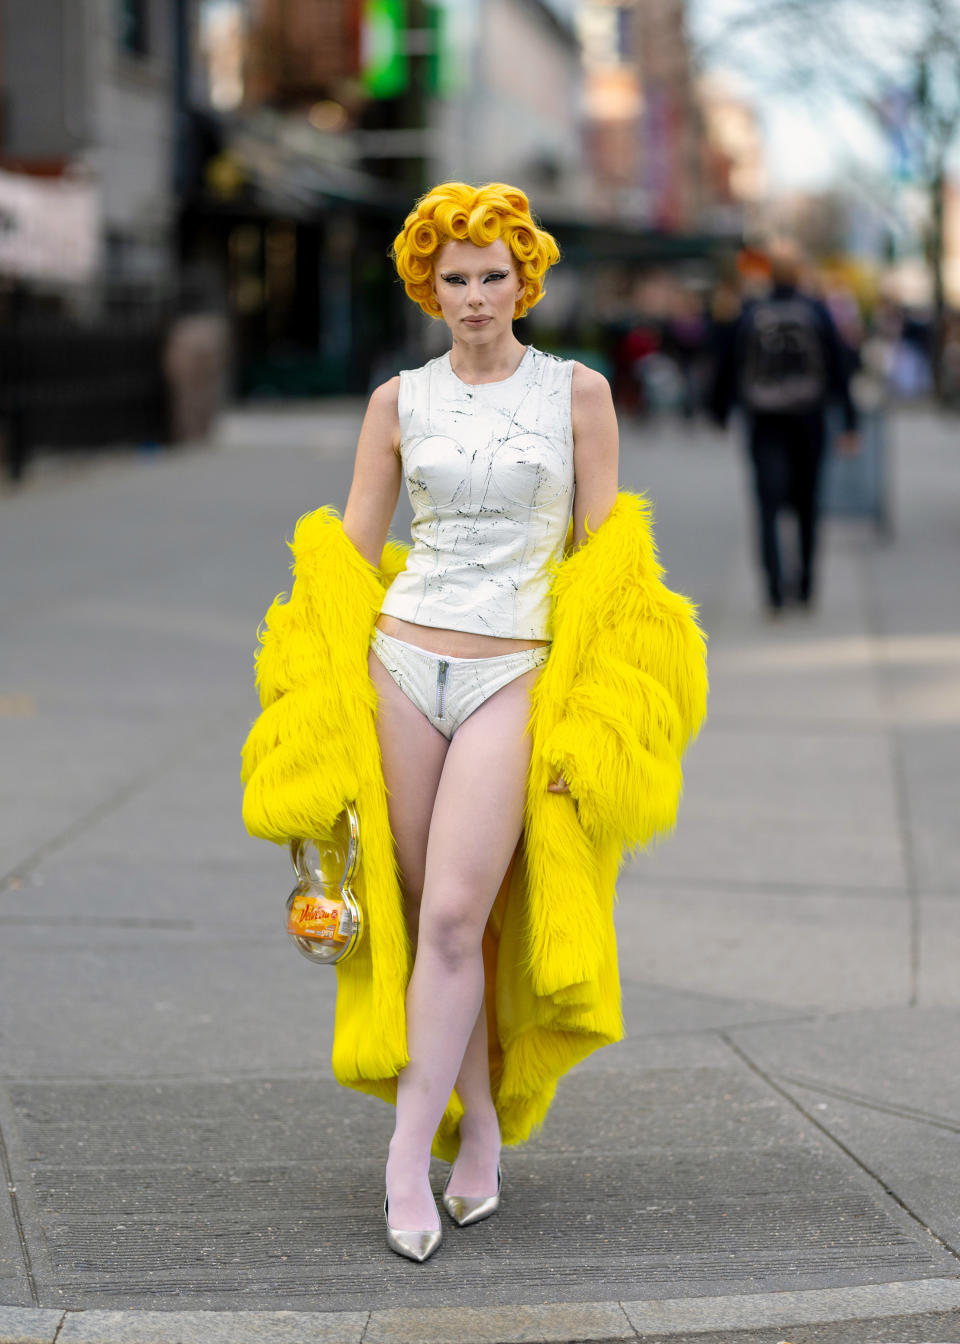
[{"x": 323, "y": 916}]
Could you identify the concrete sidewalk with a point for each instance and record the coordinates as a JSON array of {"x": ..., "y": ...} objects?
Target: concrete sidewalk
[{"x": 776, "y": 1153}]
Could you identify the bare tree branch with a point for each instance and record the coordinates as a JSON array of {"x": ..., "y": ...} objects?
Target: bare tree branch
[{"x": 897, "y": 61}]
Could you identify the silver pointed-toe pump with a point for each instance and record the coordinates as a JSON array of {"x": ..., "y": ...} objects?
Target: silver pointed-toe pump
[
  {"x": 466, "y": 1209},
  {"x": 417, "y": 1246}
]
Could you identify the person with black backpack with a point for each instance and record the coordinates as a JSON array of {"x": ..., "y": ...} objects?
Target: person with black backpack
[{"x": 783, "y": 362}]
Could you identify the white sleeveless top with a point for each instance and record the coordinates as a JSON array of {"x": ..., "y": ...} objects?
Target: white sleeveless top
[{"x": 489, "y": 472}]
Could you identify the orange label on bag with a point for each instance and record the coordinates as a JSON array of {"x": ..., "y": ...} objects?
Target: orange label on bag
[{"x": 313, "y": 917}]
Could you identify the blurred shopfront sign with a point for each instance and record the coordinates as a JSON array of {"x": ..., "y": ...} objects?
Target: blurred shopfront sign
[
  {"x": 49, "y": 228},
  {"x": 388, "y": 39},
  {"x": 383, "y": 52}
]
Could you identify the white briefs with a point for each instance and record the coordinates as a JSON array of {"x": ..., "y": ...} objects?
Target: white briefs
[{"x": 446, "y": 689}]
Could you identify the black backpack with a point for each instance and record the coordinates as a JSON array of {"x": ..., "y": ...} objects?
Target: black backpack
[{"x": 783, "y": 365}]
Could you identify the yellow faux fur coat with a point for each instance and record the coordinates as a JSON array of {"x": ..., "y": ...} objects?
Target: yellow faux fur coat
[{"x": 622, "y": 693}]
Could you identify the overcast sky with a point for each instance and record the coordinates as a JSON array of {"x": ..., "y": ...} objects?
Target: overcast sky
[{"x": 808, "y": 147}]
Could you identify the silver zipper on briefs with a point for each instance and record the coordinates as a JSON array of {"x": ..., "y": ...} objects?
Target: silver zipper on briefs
[{"x": 441, "y": 686}]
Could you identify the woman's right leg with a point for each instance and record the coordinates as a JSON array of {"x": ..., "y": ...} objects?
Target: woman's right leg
[
  {"x": 413, "y": 753},
  {"x": 409, "y": 743},
  {"x": 477, "y": 821}
]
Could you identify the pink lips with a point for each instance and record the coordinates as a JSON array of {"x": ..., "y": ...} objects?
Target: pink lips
[{"x": 476, "y": 321}]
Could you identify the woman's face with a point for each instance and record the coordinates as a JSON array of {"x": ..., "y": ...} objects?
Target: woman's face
[{"x": 477, "y": 289}]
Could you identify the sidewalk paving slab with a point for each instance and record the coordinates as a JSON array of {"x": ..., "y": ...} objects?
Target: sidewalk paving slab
[
  {"x": 28, "y": 1325},
  {"x": 788, "y": 947},
  {"x": 213, "y": 1327},
  {"x": 555, "y": 1323},
  {"x": 887, "y": 1087},
  {"x": 792, "y": 1308},
  {"x": 903, "y": 1307}
]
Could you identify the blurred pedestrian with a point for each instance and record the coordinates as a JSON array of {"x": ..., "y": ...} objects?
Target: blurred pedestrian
[
  {"x": 195, "y": 364},
  {"x": 783, "y": 363},
  {"x": 725, "y": 307},
  {"x": 686, "y": 340},
  {"x": 912, "y": 371},
  {"x": 638, "y": 343},
  {"x": 506, "y": 704}
]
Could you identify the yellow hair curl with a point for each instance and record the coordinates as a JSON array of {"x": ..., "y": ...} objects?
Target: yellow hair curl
[{"x": 481, "y": 215}]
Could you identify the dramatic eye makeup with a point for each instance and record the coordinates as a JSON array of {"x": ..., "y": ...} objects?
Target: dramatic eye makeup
[{"x": 455, "y": 277}]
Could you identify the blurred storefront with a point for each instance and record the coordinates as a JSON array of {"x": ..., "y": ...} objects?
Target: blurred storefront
[
  {"x": 282, "y": 230},
  {"x": 644, "y": 121},
  {"x": 249, "y": 162},
  {"x": 86, "y": 263},
  {"x": 87, "y": 91},
  {"x": 276, "y": 209}
]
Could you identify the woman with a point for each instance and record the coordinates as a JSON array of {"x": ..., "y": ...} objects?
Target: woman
[{"x": 502, "y": 678}]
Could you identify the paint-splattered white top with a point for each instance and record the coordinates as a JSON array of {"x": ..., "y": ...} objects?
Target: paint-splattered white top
[{"x": 489, "y": 471}]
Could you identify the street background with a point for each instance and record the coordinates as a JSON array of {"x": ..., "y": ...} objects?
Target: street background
[{"x": 783, "y": 1115}]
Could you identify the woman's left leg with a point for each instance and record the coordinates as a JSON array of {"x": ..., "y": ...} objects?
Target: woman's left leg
[
  {"x": 477, "y": 820},
  {"x": 475, "y": 1170},
  {"x": 474, "y": 1173}
]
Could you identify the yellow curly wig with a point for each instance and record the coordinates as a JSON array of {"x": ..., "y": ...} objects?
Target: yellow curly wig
[{"x": 481, "y": 215}]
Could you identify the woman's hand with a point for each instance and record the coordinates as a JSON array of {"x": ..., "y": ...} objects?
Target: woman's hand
[{"x": 559, "y": 785}]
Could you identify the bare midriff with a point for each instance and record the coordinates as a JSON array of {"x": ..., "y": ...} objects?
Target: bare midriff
[{"x": 456, "y": 643}]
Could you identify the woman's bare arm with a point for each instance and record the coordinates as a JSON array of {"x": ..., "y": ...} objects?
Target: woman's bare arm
[
  {"x": 596, "y": 450},
  {"x": 376, "y": 474}
]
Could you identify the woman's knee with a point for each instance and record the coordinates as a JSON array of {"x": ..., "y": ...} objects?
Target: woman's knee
[{"x": 452, "y": 933}]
